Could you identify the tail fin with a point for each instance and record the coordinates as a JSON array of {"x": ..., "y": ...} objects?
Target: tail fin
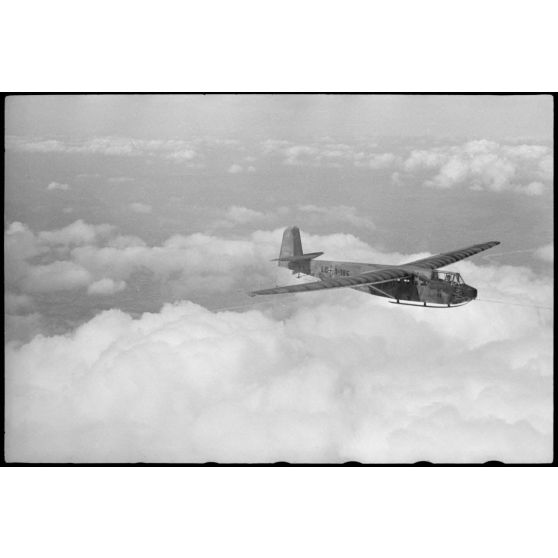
[
  {"x": 291, "y": 245},
  {"x": 291, "y": 255}
]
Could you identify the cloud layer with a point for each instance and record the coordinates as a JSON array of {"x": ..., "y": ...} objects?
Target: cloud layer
[
  {"x": 483, "y": 164},
  {"x": 479, "y": 164},
  {"x": 332, "y": 377},
  {"x": 334, "y": 381}
]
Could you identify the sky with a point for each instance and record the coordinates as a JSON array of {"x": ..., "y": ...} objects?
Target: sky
[
  {"x": 135, "y": 225},
  {"x": 288, "y": 116}
]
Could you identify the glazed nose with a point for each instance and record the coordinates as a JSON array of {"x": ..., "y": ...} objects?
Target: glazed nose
[{"x": 472, "y": 293}]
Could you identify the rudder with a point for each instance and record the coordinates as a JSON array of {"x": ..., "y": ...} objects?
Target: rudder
[{"x": 290, "y": 246}]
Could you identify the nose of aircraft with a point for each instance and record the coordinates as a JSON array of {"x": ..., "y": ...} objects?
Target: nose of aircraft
[{"x": 463, "y": 294}]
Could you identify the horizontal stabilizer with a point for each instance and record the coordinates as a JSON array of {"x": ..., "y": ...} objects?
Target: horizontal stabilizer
[{"x": 301, "y": 258}]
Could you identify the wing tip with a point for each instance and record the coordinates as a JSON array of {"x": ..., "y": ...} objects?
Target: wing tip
[{"x": 261, "y": 292}]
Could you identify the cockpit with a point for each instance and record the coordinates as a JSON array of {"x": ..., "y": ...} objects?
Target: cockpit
[{"x": 448, "y": 276}]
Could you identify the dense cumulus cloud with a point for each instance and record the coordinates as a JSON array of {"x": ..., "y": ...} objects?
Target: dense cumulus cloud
[
  {"x": 483, "y": 164},
  {"x": 80, "y": 255},
  {"x": 331, "y": 376}
]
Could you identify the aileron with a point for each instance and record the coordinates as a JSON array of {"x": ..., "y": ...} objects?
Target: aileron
[{"x": 441, "y": 260}]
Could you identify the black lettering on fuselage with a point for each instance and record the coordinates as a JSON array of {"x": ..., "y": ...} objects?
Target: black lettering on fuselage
[{"x": 334, "y": 271}]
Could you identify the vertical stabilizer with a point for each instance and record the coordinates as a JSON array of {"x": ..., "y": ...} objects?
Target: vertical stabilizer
[{"x": 291, "y": 245}]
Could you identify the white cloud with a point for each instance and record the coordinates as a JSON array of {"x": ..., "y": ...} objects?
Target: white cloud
[
  {"x": 532, "y": 189},
  {"x": 478, "y": 164},
  {"x": 235, "y": 168},
  {"x": 106, "y": 286},
  {"x": 452, "y": 172},
  {"x": 81, "y": 254},
  {"x": 55, "y": 276},
  {"x": 194, "y": 263},
  {"x": 22, "y": 247},
  {"x": 328, "y": 379},
  {"x": 484, "y": 165},
  {"x": 328, "y": 154},
  {"x": 75, "y": 234},
  {"x": 546, "y": 252},
  {"x": 298, "y": 154},
  {"x": 139, "y": 207},
  {"x": 419, "y": 159},
  {"x": 21, "y": 242},
  {"x": 526, "y": 151},
  {"x": 331, "y": 376},
  {"x": 182, "y": 155},
  {"x": 16, "y": 228},
  {"x": 546, "y": 168},
  {"x": 178, "y": 150},
  {"x": 58, "y": 186}
]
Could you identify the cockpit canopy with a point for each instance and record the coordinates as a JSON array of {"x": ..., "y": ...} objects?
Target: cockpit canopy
[{"x": 447, "y": 276}]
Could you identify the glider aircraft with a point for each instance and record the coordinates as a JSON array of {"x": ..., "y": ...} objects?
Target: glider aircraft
[{"x": 417, "y": 283}]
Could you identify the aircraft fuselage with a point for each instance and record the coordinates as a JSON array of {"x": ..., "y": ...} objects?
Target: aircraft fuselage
[{"x": 425, "y": 287}]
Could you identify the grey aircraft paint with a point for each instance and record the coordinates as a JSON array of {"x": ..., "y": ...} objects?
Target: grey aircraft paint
[{"x": 417, "y": 282}]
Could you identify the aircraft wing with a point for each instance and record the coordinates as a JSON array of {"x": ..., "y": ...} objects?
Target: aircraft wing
[
  {"x": 368, "y": 278},
  {"x": 441, "y": 260}
]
